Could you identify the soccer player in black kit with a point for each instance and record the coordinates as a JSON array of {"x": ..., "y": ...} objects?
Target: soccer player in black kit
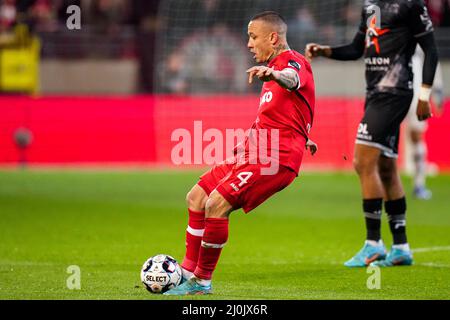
[{"x": 387, "y": 37}]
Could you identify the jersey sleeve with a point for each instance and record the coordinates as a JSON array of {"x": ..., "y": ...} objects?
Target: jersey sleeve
[
  {"x": 294, "y": 64},
  {"x": 419, "y": 20}
]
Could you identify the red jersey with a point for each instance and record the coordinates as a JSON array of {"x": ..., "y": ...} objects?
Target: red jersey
[{"x": 289, "y": 111}]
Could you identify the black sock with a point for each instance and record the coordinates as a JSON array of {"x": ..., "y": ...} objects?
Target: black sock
[
  {"x": 372, "y": 212},
  {"x": 396, "y": 210}
]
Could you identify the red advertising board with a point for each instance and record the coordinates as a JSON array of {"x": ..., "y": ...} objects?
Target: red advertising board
[{"x": 142, "y": 130}]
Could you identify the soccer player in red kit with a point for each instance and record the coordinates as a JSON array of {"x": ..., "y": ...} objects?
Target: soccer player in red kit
[{"x": 286, "y": 113}]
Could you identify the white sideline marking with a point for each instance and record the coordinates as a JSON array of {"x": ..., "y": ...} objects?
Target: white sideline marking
[
  {"x": 13, "y": 263},
  {"x": 431, "y": 249},
  {"x": 433, "y": 265}
]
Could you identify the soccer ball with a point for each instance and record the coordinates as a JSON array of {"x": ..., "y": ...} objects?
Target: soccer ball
[{"x": 161, "y": 273}]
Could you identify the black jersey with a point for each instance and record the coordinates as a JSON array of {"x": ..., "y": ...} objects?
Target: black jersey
[{"x": 391, "y": 29}]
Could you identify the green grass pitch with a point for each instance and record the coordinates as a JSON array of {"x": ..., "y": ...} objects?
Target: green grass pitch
[{"x": 291, "y": 247}]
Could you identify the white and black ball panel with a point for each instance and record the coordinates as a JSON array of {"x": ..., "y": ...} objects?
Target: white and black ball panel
[{"x": 161, "y": 273}]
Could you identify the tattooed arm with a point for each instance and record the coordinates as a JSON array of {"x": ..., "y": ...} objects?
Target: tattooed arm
[{"x": 287, "y": 78}]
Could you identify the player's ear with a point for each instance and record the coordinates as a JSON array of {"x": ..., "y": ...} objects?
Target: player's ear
[{"x": 273, "y": 38}]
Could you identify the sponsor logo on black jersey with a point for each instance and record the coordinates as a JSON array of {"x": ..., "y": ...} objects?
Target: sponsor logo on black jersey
[{"x": 373, "y": 32}]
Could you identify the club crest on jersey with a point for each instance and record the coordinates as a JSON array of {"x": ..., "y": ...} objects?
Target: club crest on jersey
[{"x": 294, "y": 65}]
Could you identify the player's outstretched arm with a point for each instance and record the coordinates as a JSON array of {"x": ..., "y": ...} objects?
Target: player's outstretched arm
[
  {"x": 286, "y": 78},
  {"x": 314, "y": 50},
  {"x": 351, "y": 51}
]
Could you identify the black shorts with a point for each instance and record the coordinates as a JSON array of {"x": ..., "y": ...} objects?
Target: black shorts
[{"x": 380, "y": 126}]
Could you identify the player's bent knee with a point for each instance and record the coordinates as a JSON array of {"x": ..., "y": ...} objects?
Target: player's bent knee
[
  {"x": 217, "y": 207},
  {"x": 196, "y": 198}
]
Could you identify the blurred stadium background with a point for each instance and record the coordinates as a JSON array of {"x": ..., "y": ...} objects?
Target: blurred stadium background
[
  {"x": 110, "y": 95},
  {"x": 114, "y": 91}
]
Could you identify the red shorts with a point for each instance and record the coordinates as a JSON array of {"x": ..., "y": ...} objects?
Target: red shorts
[{"x": 243, "y": 185}]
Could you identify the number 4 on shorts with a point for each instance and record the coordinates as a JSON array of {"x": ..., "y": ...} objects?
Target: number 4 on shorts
[{"x": 244, "y": 176}]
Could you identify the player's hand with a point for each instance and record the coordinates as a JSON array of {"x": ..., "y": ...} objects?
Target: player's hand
[
  {"x": 263, "y": 73},
  {"x": 423, "y": 110},
  {"x": 314, "y": 50},
  {"x": 312, "y": 146}
]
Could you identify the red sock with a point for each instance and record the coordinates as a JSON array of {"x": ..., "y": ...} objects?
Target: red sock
[
  {"x": 214, "y": 238},
  {"x": 194, "y": 234}
]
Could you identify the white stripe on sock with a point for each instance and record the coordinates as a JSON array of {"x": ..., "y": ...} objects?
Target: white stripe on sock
[
  {"x": 212, "y": 245},
  {"x": 195, "y": 232}
]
